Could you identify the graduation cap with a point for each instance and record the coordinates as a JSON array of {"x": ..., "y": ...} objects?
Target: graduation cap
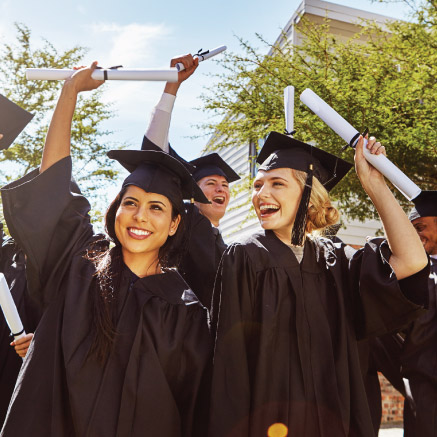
[
  {"x": 283, "y": 151},
  {"x": 158, "y": 172},
  {"x": 425, "y": 205},
  {"x": 150, "y": 145},
  {"x": 213, "y": 164},
  {"x": 13, "y": 120}
]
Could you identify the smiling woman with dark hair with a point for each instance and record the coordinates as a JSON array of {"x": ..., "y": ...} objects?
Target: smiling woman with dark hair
[{"x": 123, "y": 348}]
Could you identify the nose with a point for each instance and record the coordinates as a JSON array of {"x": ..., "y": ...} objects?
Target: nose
[
  {"x": 263, "y": 192},
  {"x": 141, "y": 214}
]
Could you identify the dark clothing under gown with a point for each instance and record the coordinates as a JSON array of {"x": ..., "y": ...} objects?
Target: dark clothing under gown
[
  {"x": 200, "y": 263},
  {"x": 286, "y": 334},
  {"x": 12, "y": 265},
  {"x": 419, "y": 366},
  {"x": 152, "y": 383}
]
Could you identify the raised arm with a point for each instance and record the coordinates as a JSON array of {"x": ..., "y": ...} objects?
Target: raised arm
[
  {"x": 57, "y": 145},
  {"x": 408, "y": 256},
  {"x": 159, "y": 125}
]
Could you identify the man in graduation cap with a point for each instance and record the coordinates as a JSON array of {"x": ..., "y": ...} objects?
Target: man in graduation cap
[
  {"x": 213, "y": 175},
  {"x": 419, "y": 354}
]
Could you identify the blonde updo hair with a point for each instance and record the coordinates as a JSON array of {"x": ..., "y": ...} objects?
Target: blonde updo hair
[{"x": 321, "y": 213}]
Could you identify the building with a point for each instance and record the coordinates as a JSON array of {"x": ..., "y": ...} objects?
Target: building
[{"x": 344, "y": 23}]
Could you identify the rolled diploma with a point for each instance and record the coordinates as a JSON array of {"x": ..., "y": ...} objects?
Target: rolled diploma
[
  {"x": 10, "y": 310},
  {"x": 289, "y": 108},
  {"x": 341, "y": 127},
  {"x": 166, "y": 75},
  {"x": 213, "y": 52}
]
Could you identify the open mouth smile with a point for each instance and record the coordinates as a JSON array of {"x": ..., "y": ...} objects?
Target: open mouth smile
[
  {"x": 138, "y": 234},
  {"x": 219, "y": 200},
  {"x": 268, "y": 209}
]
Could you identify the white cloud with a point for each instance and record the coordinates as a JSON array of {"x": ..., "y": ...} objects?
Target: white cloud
[{"x": 132, "y": 45}]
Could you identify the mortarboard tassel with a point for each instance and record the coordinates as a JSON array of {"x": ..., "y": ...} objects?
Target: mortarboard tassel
[{"x": 298, "y": 233}]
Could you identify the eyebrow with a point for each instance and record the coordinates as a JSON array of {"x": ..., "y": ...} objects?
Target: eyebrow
[
  {"x": 157, "y": 201},
  {"x": 216, "y": 180},
  {"x": 277, "y": 177},
  {"x": 150, "y": 201}
]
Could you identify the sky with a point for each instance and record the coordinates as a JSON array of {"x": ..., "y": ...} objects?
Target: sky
[{"x": 147, "y": 34}]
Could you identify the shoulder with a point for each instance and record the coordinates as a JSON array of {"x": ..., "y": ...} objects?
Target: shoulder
[
  {"x": 254, "y": 250},
  {"x": 177, "y": 291}
]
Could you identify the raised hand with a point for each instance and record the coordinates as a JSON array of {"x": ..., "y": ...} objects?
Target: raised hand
[{"x": 190, "y": 64}]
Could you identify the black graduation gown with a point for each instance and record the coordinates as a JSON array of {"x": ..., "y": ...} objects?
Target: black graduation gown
[
  {"x": 419, "y": 366},
  {"x": 380, "y": 354},
  {"x": 204, "y": 248},
  {"x": 200, "y": 262},
  {"x": 286, "y": 335},
  {"x": 152, "y": 383},
  {"x": 12, "y": 265}
]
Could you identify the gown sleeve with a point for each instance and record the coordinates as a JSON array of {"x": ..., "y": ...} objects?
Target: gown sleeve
[
  {"x": 381, "y": 303},
  {"x": 195, "y": 373},
  {"x": 231, "y": 325},
  {"x": 49, "y": 220}
]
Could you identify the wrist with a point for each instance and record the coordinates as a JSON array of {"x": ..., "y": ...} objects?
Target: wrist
[
  {"x": 374, "y": 187},
  {"x": 69, "y": 89},
  {"x": 172, "y": 88}
]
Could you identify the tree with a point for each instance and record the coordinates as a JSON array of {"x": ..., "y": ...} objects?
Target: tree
[
  {"x": 384, "y": 80},
  {"x": 91, "y": 165}
]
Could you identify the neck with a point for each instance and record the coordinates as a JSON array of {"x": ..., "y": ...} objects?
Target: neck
[
  {"x": 284, "y": 234},
  {"x": 214, "y": 222},
  {"x": 142, "y": 264}
]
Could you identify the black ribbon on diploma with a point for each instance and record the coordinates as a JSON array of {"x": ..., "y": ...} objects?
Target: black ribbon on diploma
[
  {"x": 105, "y": 70},
  {"x": 12, "y": 335},
  {"x": 354, "y": 138}
]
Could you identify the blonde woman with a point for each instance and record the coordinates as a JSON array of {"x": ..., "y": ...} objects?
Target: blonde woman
[{"x": 289, "y": 305}]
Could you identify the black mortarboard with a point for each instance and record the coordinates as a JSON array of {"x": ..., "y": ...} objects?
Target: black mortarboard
[
  {"x": 150, "y": 145},
  {"x": 425, "y": 205},
  {"x": 283, "y": 151},
  {"x": 158, "y": 172},
  {"x": 213, "y": 164},
  {"x": 13, "y": 120}
]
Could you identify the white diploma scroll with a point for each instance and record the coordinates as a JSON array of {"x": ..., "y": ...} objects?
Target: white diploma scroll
[
  {"x": 289, "y": 108},
  {"x": 10, "y": 310},
  {"x": 341, "y": 127},
  {"x": 203, "y": 56},
  {"x": 166, "y": 75}
]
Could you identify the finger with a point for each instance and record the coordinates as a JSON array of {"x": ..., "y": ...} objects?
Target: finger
[
  {"x": 359, "y": 148},
  {"x": 186, "y": 60},
  {"x": 371, "y": 142},
  {"x": 375, "y": 147},
  {"x": 24, "y": 339},
  {"x": 1, "y": 136},
  {"x": 23, "y": 345},
  {"x": 22, "y": 354},
  {"x": 380, "y": 150}
]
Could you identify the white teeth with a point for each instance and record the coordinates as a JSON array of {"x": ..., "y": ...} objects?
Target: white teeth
[
  {"x": 264, "y": 207},
  {"x": 139, "y": 232}
]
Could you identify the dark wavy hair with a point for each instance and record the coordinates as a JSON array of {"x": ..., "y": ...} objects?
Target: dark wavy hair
[{"x": 108, "y": 262}]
